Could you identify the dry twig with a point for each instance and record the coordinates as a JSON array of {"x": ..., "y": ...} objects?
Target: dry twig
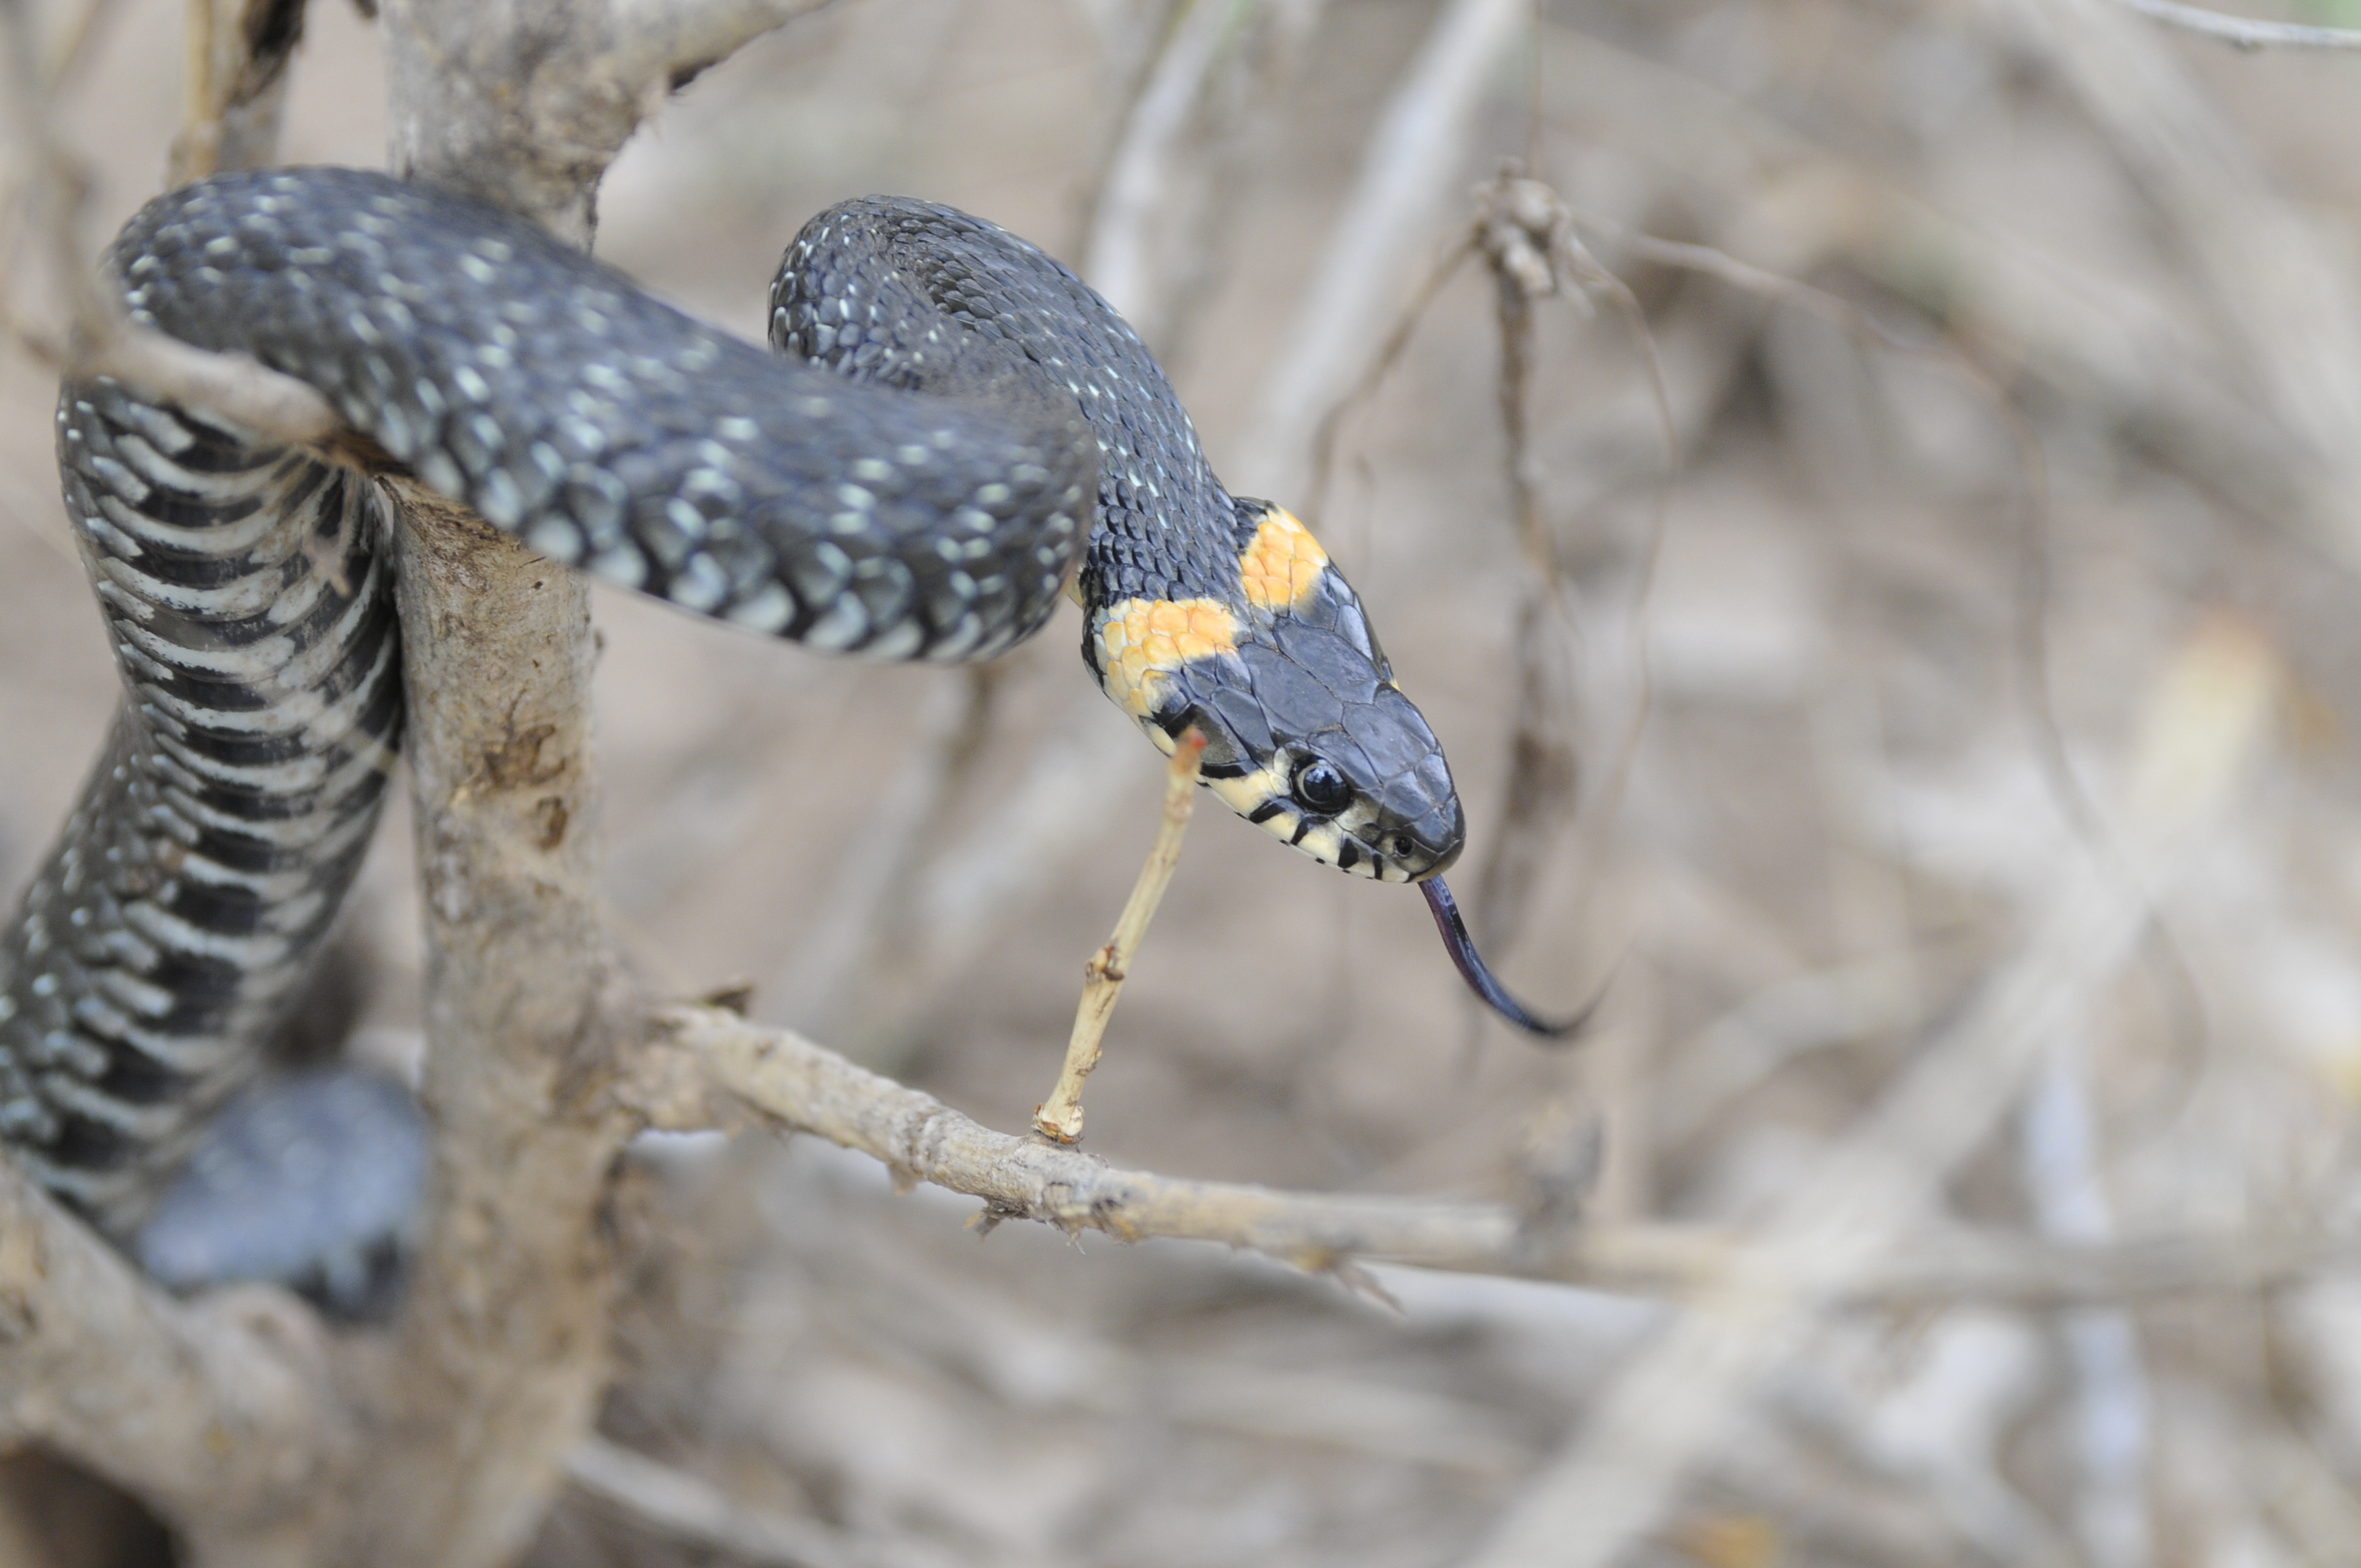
[
  {"x": 1060, "y": 1116},
  {"x": 1418, "y": 147},
  {"x": 801, "y": 1087},
  {"x": 102, "y": 339}
]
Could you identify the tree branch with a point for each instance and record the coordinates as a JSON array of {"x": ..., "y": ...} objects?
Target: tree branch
[
  {"x": 217, "y": 1414},
  {"x": 502, "y": 1350},
  {"x": 801, "y": 1087},
  {"x": 102, "y": 339},
  {"x": 574, "y": 82},
  {"x": 673, "y": 40}
]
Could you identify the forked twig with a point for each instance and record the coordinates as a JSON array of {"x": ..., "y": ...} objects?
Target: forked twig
[
  {"x": 1060, "y": 1117},
  {"x": 1525, "y": 230}
]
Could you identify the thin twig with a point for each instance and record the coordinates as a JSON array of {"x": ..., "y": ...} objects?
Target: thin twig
[
  {"x": 1060, "y": 1116},
  {"x": 2242, "y": 32},
  {"x": 102, "y": 339},
  {"x": 75, "y": 42},
  {"x": 1323, "y": 435},
  {"x": 694, "y": 1511},
  {"x": 801, "y": 1087},
  {"x": 1418, "y": 147},
  {"x": 1118, "y": 261}
]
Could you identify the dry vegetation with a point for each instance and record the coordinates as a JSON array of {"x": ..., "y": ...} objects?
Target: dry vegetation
[{"x": 1965, "y": 833}]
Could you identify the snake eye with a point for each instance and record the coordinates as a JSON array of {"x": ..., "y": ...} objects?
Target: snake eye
[{"x": 1319, "y": 788}]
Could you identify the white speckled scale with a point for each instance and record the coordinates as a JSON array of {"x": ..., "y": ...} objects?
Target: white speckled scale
[
  {"x": 250, "y": 607},
  {"x": 251, "y": 610}
]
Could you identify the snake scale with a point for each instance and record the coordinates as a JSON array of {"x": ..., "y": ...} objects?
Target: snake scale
[{"x": 953, "y": 429}]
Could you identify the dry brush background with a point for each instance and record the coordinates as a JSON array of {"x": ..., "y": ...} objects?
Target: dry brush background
[{"x": 1899, "y": 951}]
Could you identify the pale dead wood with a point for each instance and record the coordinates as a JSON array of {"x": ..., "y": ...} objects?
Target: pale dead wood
[
  {"x": 1120, "y": 259},
  {"x": 501, "y": 1352},
  {"x": 1060, "y": 1116},
  {"x": 704, "y": 1058},
  {"x": 1417, "y": 150},
  {"x": 234, "y": 84},
  {"x": 216, "y": 1414},
  {"x": 45, "y": 208},
  {"x": 524, "y": 103}
]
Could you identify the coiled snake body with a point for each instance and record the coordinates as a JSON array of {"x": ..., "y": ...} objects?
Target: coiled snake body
[{"x": 955, "y": 426}]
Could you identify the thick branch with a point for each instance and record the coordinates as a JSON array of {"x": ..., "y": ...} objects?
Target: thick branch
[
  {"x": 525, "y": 103},
  {"x": 501, "y": 1351},
  {"x": 213, "y": 1414}
]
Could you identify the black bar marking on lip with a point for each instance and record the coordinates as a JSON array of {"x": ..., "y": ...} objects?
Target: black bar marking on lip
[
  {"x": 1266, "y": 811},
  {"x": 1349, "y": 856},
  {"x": 1303, "y": 826},
  {"x": 1478, "y": 975}
]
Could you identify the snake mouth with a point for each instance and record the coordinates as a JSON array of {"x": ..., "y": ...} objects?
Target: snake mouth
[{"x": 1356, "y": 840}]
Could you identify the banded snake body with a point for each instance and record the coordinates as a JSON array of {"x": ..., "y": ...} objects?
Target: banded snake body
[{"x": 957, "y": 428}]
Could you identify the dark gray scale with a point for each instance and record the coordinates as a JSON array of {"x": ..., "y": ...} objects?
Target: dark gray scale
[
  {"x": 606, "y": 429},
  {"x": 309, "y": 1180},
  {"x": 248, "y": 594},
  {"x": 905, "y": 294},
  {"x": 899, "y": 292},
  {"x": 250, "y": 606}
]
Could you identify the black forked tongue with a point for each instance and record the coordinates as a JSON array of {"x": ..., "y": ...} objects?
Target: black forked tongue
[{"x": 1479, "y": 976}]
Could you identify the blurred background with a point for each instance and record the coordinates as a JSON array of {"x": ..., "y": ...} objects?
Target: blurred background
[{"x": 1991, "y": 627}]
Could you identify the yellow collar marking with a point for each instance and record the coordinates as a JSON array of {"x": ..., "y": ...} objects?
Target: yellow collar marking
[
  {"x": 1142, "y": 642},
  {"x": 1283, "y": 564}
]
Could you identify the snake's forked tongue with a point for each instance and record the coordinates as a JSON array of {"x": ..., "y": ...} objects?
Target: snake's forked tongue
[{"x": 1479, "y": 976}]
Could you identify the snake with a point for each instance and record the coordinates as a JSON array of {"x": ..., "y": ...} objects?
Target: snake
[{"x": 949, "y": 431}]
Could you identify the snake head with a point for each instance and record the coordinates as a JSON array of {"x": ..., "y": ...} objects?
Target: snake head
[{"x": 1306, "y": 734}]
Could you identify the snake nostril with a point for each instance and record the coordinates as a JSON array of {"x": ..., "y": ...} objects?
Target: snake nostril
[{"x": 1400, "y": 846}]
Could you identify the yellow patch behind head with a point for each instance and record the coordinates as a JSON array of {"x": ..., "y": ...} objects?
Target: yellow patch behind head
[
  {"x": 1283, "y": 564},
  {"x": 1142, "y": 642}
]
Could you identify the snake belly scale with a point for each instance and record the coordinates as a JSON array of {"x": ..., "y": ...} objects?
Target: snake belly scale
[{"x": 957, "y": 430}]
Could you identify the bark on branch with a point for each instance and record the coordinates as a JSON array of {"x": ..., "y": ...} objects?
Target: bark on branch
[
  {"x": 703, "y": 1059},
  {"x": 216, "y": 1414}
]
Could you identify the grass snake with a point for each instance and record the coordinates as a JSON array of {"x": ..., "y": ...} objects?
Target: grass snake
[{"x": 953, "y": 430}]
